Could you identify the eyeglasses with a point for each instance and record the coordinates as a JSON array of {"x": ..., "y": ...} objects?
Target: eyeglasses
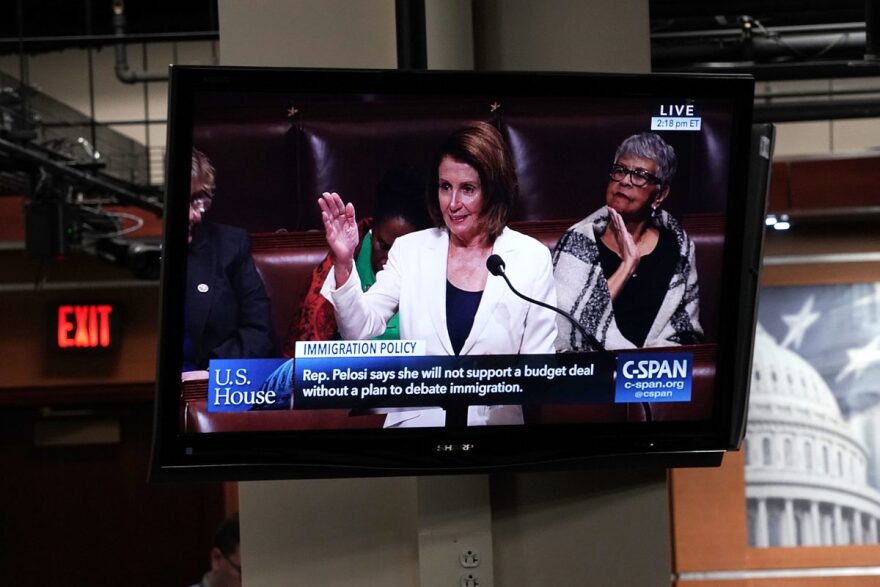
[
  {"x": 231, "y": 562},
  {"x": 639, "y": 177},
  {"x": 200, "y": 201}
]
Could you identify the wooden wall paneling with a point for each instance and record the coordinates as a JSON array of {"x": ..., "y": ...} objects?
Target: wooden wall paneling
[
  {"x": 835, "y": 183},
  {"x": 85, "y": 515},
  {"x": 708, "y": 516},
  {"x": 26, "y": 344},
  {"x": 779, "y": 195},
  {"x": 708, "y": 508},
  {"x": 846, "y": 581},
  {"x": 11, "y": 218}
]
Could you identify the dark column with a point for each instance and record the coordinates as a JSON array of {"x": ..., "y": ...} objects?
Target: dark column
[{"x": 412, "y": 46}]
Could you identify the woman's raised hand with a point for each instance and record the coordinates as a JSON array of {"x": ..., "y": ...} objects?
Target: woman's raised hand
[
  {"x": 340, "y": 228},
  {"x": 629, "y": 250}
]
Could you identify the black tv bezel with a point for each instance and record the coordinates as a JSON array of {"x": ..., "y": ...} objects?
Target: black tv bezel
[{"x": 250, "y": 455}]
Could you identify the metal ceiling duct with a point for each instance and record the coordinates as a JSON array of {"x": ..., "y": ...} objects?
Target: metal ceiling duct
[{"x": 805, "y": 51}]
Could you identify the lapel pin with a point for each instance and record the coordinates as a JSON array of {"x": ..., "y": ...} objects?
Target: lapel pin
[{"x": 203, "y": 287}]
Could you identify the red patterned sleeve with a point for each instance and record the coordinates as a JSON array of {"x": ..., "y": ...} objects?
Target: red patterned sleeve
[{"x": 315, "y": 319}]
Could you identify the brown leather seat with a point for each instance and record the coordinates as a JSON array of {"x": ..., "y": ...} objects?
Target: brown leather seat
[{"x": 197, "y": 418}]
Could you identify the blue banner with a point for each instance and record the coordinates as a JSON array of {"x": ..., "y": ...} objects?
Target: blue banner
[
  {"x": 654, "y": 377},
  {"x": 392, "y": 382},
  {"x": 237, "y": 385}
]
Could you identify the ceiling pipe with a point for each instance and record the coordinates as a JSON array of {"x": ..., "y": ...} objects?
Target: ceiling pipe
[
  {"x": 755, "y": 47},
  {"x": 801, "y": 52},
  {"x": 816, "y": 110},
  {"x": 123, "y": 72},
  {"x": 734, "y": 33},
  {"x": 820, "y": 94},
  {"x": 32, "y": 157},
  {"x": 805, "y": 70}
]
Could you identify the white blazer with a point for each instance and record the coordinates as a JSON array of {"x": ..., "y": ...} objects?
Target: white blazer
[{"x": 413, "y": 282}]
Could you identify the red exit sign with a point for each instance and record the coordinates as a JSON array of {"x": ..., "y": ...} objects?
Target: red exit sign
[{"x": 86, "y": 326}]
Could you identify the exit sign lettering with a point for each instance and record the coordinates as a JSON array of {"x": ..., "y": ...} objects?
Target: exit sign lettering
[{"x": 86, "y": 326}]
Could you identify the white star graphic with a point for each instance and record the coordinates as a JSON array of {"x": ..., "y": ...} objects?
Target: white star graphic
[
  {"x": 873, "y": 298},
  {"x": 860, "y": 359},
  {"x": 798, "y": 324}
]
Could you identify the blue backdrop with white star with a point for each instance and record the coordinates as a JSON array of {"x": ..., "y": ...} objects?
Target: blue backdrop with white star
[{"x": 836, "y": 328}]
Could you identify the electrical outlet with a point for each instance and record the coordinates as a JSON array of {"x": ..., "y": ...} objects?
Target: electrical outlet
[
  {"x": 448, "y": 559},
  {"x": 469, "y": 559}
]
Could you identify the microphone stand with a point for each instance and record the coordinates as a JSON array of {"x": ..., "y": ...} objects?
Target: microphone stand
[{"x": 495, "y": 264}]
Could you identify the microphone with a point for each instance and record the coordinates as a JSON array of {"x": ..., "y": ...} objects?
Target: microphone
[{"x": 495, "y": 265}]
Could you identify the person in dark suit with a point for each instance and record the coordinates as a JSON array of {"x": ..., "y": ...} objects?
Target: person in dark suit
[{"x": 227, "y": 313}]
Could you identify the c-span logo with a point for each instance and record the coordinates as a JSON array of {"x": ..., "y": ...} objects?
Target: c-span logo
[{"x": 653, "y": 377}]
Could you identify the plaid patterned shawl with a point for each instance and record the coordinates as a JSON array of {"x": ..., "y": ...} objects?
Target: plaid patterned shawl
[{"x": 582, "y": 289}]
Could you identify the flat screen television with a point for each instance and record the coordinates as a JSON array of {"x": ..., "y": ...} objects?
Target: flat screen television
[{"x": 269, "y": 368}]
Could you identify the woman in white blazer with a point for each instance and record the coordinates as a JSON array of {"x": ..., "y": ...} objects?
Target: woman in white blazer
[{"x": 437, "y": 278}]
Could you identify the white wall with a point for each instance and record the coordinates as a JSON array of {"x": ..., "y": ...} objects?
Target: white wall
[
  {"x": 449, "y": 34},
  {"x": 308, "y": 33},
  {"x": 342, "y": 532},
  {"x": 562, "y": 35},
  {"x": 581, "y": 528},
  {"x": 339, "y": 33}
]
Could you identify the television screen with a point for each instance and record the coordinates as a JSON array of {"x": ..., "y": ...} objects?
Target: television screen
[{"x": 391, "y": 272}]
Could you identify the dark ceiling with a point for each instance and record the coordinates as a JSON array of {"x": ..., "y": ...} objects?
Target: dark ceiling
[
  {"x": 774, "y": 40},
  {"x": 688, "y": 15},
  {"x": 46, "y": 18},
  {"x": 53, "y": 24},
  {"x": 777, "y": 40}
]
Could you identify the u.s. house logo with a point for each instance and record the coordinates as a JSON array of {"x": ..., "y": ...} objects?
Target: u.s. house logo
[{"x": 237, "y": 385}]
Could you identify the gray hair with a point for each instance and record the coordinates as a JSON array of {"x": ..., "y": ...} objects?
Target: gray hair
[
  {"x": 648, "y": 145},
  {"x": 203, "y": 172}
]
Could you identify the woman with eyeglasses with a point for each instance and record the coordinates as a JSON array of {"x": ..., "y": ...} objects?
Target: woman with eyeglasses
[
  {"x": 438, "y": 279},
  {"x": 627, "y": 271},
  {"x": 227, "y": 313}
]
